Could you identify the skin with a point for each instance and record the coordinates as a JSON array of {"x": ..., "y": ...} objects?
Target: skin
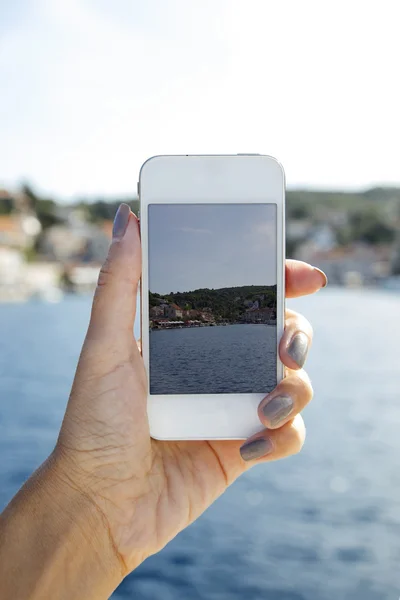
[{"x": 109, "y": 496}]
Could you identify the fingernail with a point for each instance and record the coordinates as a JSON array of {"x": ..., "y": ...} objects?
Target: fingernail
[
  {"x": 298, "y": 348},
  {"x": 323, "y": 275},
  {"x": 277, "y": 409},
  {"x": 121, "y": 221},
  {"x": 256, "y": 448}
]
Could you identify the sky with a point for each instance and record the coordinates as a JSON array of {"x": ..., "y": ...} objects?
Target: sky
[
  {"x": 91, "y": 88},
  {"x": 211, "y": 246}
]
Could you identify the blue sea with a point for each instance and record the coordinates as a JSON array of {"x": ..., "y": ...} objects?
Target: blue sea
[
  {"x": 237, "y": 358},
  {"x": 323, "y": 525}
]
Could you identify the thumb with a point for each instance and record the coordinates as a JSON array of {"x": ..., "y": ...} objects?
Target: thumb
[{"x": 114, "y": 303}]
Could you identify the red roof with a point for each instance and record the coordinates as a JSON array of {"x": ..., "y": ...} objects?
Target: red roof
[
  {"x": 8, "y": 223},
  {"x": 107, "y": 227}
]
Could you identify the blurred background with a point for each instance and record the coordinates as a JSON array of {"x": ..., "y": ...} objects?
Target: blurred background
[{"x": 89, "y": 90}]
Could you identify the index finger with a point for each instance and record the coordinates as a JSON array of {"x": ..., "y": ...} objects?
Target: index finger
[{"x": 303, "y": 279}]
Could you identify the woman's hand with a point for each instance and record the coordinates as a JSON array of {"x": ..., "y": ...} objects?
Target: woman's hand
[
  {"x": 143, "y": 491},
  {"x": 149, "y": 490}
]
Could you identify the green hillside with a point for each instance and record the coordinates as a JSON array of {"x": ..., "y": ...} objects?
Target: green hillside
[{"x": 225, "y": 303}]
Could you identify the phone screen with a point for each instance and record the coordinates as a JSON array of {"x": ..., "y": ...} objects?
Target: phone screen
[{"x": 212, "y": 298}]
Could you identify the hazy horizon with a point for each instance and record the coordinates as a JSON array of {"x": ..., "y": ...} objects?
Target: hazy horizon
[{"x": 130, "y": 196}]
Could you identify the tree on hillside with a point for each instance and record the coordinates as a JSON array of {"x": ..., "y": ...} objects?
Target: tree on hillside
[
  {"x": 45, "y": 208},
  {"x": 6, "y": 203},
  {"x": 104, "y": 210},
  {"x": 370, "y": 227}
]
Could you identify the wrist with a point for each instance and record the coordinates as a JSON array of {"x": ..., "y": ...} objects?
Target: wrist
[
  {"x": 61, "y": 539},
  {"x": 84, "y": 524}
]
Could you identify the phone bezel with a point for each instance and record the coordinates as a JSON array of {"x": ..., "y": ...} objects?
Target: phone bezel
[{"x": 211, "y": 179}]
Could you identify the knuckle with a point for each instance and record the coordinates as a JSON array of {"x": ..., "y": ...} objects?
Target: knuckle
[
  {"x": 304, "y": 389},
  {"x": 115, "y": 271},
  {"x": 297, "y": 435},
  {"x": 298, "y": 386},
  {"x": 106, "y": 274},
  {"x": 298, "y": 443},
  {"x": 291, "y": 317},
  {"x": 289, "y": 439},
  {"x": 299, "y": 429}
]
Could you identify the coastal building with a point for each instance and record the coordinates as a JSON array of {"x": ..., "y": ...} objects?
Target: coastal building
[
  {"x": 83, "y": 277},
  {"x": 259, "y": 315},
  {"x": 199, "y": 315},
  {"x": 20, "y": 280},
  {"x": 18, "y": 230},
  {"x": 78, "y": 241},
  {"x": 252, "y": 303},
  {"x": 298, "y": 229},
  {"x": 40, "y": 277},
  {"x": 173, "y": 311},
  {"x": 323, "y": 237},
  {"x": 191, "y": 314},
  {"x": 11, "y": 275},
  {"x": 156, "y": 312},
  {"x": 362, "y": 262},
  {"x": 208, "y": 317}
]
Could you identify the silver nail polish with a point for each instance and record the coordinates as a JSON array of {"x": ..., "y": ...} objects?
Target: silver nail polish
[
  {"x": 277, "y": 409},
  {"x": 121, "y": 222},
  {"x": 298, "y": 348},
  {"x": 256, "y": 448}
]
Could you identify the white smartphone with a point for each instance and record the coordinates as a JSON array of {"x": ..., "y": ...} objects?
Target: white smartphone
[{"x": 212, "y": 291}]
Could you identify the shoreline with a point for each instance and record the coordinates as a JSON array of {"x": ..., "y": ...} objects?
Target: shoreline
[{"x": 173, "y": 327}]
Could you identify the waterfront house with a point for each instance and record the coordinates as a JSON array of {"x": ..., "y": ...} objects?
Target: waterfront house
[
  {"x": 75, "y": 241},
  {"x": 191, "y": 314},
  {"x": 259, "y": 315},
  {"x": 357, "y": 261},
  {"x": 18, "y": 230},
  {"x": 199, "y": 315},
  {"x": 173, "y": 311},
  {"x": 156, "y": 312},
  {"x": 206, "y": 316}
]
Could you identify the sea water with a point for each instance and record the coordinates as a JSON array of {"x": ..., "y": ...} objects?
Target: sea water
[{"x": 323, "y": 525}]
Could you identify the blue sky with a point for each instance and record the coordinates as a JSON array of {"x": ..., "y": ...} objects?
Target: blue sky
[
  {"x": 91, "y": 88},
  {"x": 211, "y": 246}
]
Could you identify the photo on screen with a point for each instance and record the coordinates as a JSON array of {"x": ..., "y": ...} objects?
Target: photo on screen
[{"x": 212, "y": 298}]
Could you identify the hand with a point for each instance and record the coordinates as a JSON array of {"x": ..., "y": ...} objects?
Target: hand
[
  {"x": 109, "y": 495},
  {"x": 147, "y": 491}
]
